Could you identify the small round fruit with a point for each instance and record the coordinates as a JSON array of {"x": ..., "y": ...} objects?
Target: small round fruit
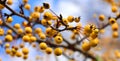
[
  {"x": 114, "y": 9},
  {"x": 17, "y": 26},
  {"x": 9, "y": 19},
  {"x": 65, "y": 21},
  {"x": 25, "y": 57},
  {"x": 48, "y": 50},
  {"x": 9, "y": 2},
  {"x": 28, "y": 29},
  {"x": 21, "y": 45},
  {"x": 7, "y": 45},
  {"x": 33, "y": 38},
  {"x": 101, "y": 17},
  {"x": 115, "y": 27},
  {"x": 25, "y": 1},
  {"x": 58, "y": 39},
  {"x": 57, "y": 51},
  {"x": 112, "y": 20},
  {"x": 77, "y": 19},
  {"x": 86, "y": 46},
  {"x": 41, "y": 10},
  {"x": 48, "y": 15},
  {"x": 70, "y": 18},
  {"x": 20, "y": 31},
  {"x": 94, "y": 42},
  {"x": 27, "y": 6},
  {"x": 38, "y": 30},
  {"x": 42, "y": 36},
  {"x": 44, "y": 22},
  {"x": 1, "y": 32},
  {"x": 26, "y": 38},
  {"x": 1, "y": 7},
  {"x": 1, "y": 22},
  {"x": 8, "y": 38},
  {"x": 9, "y": 31},
  {"x": 115, "y": 34},
  {"x": 25, "y": 23},
  {"x": 8, "y": 51},
  {"x": 13, "y": 50},
  {"x": 25, "y": 51},
  {"x": 18, "y": 54},
  {"x": 36, "y": 8},
  {"x": 35, "y": 15},
  {"x": 117, "y": 53},
  {"x": 43, "y": 45}
]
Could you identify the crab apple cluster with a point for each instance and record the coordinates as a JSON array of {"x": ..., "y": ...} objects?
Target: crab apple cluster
[
  {"x": 51, "y": 39},
  {"x": 114, "y": 25},
  {"x": 29, "y": 34}
]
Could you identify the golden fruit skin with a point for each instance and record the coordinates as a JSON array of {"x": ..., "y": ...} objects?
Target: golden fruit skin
[
  {"x": 25, "y": 1},
  {"x": 25, "y": 23},
  {"x": 93, "y": 35},
  {"x": 36, "y": 8},
  {"x": 42, "y": 36},
  {"x": 65, "y": 21},
  {"x": 1, "y": 22},
  {"x": 114, "y": 9},
  {"x": 28, "y": 29},
  {"x": 7, "y": 45},
  {"x": 9, "y": 19},
  {"x": 58, "y": 39},
  {"x": 70, "y": 18},
  {"x": 77, "y": 19},
  {"x": 9, "y": 31},
  {"x": 27, "y": 6},
  {"x": 17, "y": 26},
  {"x": 26, "y": 38},
  {"x": 33, "y": 38},
  {"x": 48, "y": 50},
  {"x": 87, "y": 29},
  {"x": 25, "y": 57},
  {"x": 117, "y": 53},
  {"x": 48, "y": 15},
  {"x": 25, "y": 51},
  {"x": 18, "y": 54},
  {"x": 35, "y": 15},
  {"x": 86, "y": 46},
  {"x": 8, "y": 38},
  {"x": 1, "y": 7},
  {"x": 8, "y": 51},
  {"x": 1, "y": 32},
  {"x": 21, "y": 45},
  {"x": 42, "y": 45},
  {"x": 48, "y": 31},
  {"x": 112, "y": 20},
  {"x": 44, "y": 22},
  {"x": 41, "y": 10},
  {"x": 101, "y": 17},
  {"x": 94, "y": 42},
  {"x": 20, "y": 31},
  {"x": 115, "y": 27},
  {"x": 57, "y": 51},
  {"x": 9, "y": 2},
  {"x": 38, "y": 30},
  {"x": 13, "y": 51},
  {"x": 115, "y": 34}
]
